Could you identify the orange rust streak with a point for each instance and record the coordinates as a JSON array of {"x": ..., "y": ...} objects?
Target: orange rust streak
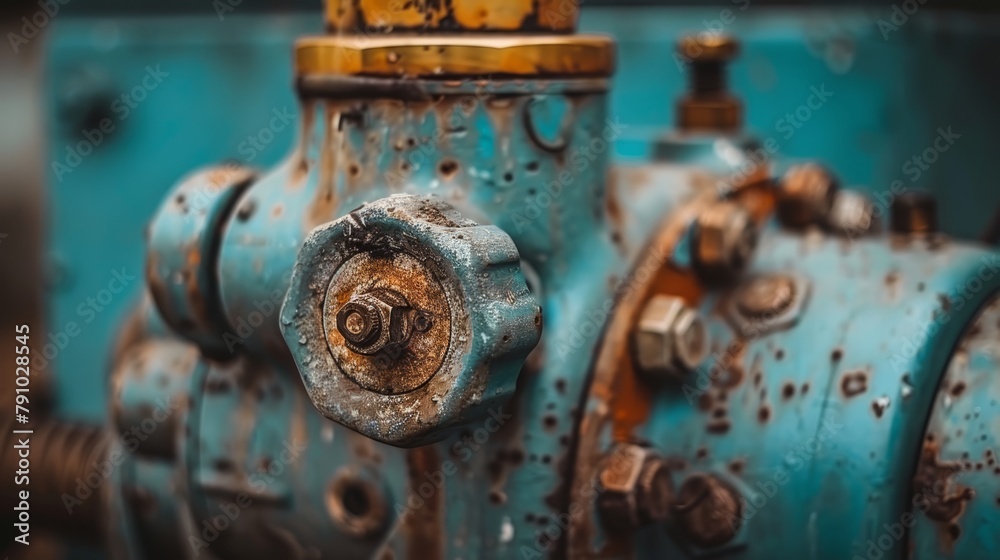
[{"x": 631, "y": 399}]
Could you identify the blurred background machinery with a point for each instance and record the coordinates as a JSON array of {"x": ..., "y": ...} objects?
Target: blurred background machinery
[{"x": 506, "y": 279}]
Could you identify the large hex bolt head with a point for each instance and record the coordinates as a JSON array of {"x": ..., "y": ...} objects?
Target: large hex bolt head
[
  {"x": 670, "y": 339},
  {"x": 408, "y": 321},
  {"x": 805, "y": 195},
  {"x": 723, "y": 242},
  {"x": 635, "y": 488}
]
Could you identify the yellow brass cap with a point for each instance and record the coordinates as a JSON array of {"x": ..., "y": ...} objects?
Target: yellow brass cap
[
  {"x": 706, "y": 47},
  {"x": 453, "y": 16},
  {"x": 430, "y": 56}
]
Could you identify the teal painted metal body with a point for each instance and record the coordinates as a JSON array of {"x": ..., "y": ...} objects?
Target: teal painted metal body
[{"x": 822, "y": 423}]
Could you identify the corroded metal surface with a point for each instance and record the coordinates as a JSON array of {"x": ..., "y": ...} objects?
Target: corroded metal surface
[
  {"x": 956, "y": 485},
  {"x": 452, "y": 16},
  {"x": 789, "y": 392},
  {"x": 183, "y": 241},
  {"x": 464, "y": 277},
  {"x": 447, "y": 57}
]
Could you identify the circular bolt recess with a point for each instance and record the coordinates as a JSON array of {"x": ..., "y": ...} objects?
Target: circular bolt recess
[
  {"x": 670, "y": 339},
  {"x": 355, "y": 501},
  {"x": 914, "y": 213},
  {"x": 408, "y": 321},
  {"x": 766, "y": 296},
  {"x": 707, "y": 511},
  {"x": 635, "y": 488},
  {"x": 805, "y": 195},
  {"x": 724, "y": 240},
  {"x": 852, "y": 215}
]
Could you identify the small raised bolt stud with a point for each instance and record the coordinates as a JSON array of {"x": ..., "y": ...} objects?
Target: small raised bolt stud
[
  {"x": 724, "y": 240},
  {"x": 805, "y": 195},
  {"x": 707, "y": 511},
  {"x": 708, "y": 105},
  {"x": 914, "y": 213},
  {"x": 670, "y": 339},
  {"x": 635, "y": 488},
  {"x": 852, "y": 215}
]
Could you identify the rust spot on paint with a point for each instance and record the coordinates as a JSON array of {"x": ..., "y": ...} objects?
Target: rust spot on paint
[
  {"x": 854, "y": 383},
  {"x": 719, "y": 426},
  {"x": 788, "y": 391},
  {"x": 424, "y": 529}
]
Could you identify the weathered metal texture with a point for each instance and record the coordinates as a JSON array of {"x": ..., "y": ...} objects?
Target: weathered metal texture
[
  {"x": 816, "y": 425},
  {"x": 525, "y": 157},
  {"x": 364, "y": 17},
  {"x": 149, "y": 391},
  {"x": 463, "y": 279},
  {"x": 183, "y": 244},
  {"x": 521, "y": 156},
  {"x": 956, "y": 487},
  {"x": 270, "y": 477},
  {"x": 449, "y": 56},
  {"x": 144, "y": 470}
]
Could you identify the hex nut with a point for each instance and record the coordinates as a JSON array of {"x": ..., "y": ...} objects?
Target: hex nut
[
  {"x": 373, "y": 321},
  {"x": 670, "y": 339},
  {"x": 805, "y": 195},
  {"x": 635, "y": 487},
  {"x": 724, "y": 240}
]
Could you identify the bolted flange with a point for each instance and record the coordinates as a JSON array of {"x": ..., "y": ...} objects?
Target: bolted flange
[{"x": 407, "y": 320}]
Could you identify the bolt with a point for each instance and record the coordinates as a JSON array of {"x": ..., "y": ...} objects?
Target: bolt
[
  {"x": 635, "y": 488},
  {"x": 852, "y": 214},
  {"x": 708, "y": 105},
  {"x": 372, "y": 321},
  {"x": 805, "y": 195},
  {"x": 707, "y": 510},
  {"x": 724, "y": 240},
  {"x": 766, "y": 296},
  {"x": 914, "y": 213},
  {"x": 670, "y": 339}
]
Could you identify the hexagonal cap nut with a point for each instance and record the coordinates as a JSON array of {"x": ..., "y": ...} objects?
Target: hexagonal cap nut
[
  {"x": 670, "y": 338},
  {"x": 466, "y": 278},
  {"x": 805, "y": 195},
  {"x": 635, "y": 487},
  {"x": 724, "y": 240}
]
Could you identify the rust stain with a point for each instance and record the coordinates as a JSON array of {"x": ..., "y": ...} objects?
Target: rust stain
[
  {"x": 941, "y": 498},
  {"x": 854, "y": 383},
  {"x": 424, "y": 530}
]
